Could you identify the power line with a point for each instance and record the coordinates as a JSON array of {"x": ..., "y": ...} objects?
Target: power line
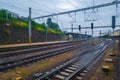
[
  {"x": 94, "y": 27},
  {"x": 14, "y": 6},
  {"x": 82, "y": 9},
  {"x": 19, "y": 8},
  {"x": 41, "y": 11},
  {"x": 45, "y": 6},
  {"x": 71, "y": 3}
]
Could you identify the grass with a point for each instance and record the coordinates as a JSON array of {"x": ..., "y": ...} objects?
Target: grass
[
  {"x": 33, "y": 68},
  {"x": 39, "y": 66},
  {"x": 23, "y": 23},
  {"x": 99, "y": 75}
]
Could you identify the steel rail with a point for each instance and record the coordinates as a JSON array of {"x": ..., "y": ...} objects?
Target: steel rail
[
  {"x": 31, "y": 50},
  {"x": 93, "y": 59},
  {"x": 58, "y": 69},
  {"x": 13, "y": 64}
]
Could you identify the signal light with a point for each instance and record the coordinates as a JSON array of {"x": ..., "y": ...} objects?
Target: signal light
[
  {"x": 92, "y": 25},
  {"x": 79, "y": 27},
  {"x": 113, "y": 22}
]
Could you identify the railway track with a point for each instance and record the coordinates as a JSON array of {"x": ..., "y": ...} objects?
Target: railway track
[
  {"x": 10, "y": 48},
  {"x": 11, "y": 62},
  {"x": 73, "y": 69},
  {"x": 10, "y": 53}
]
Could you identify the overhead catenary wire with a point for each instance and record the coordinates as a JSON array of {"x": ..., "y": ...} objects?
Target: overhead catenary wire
[
  {"x": 44, "y": 6},
  {"x": 82, "y": 9},
  {"x": 14, "y": 6},
  {"x": 72, "y": 4},
  {"x": 26, "y": 10},
  {"x": 41, "y": 11}
]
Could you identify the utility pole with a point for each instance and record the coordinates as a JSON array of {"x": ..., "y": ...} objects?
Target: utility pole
[
  {"x": 6, "y": 15},
  {"x": 72, "y": 28},
  {"x": 80, "y": 28},
  {"x": 92, "y": 32},
  {"x": 46, "y": 33},
  {"x": 116, "y": 8},
  {"x": 30, "y": 32},
  {"x": 113, "y": 24},
  {"x": 85, "y": 34},
  {"x": 100, "y": 32}
]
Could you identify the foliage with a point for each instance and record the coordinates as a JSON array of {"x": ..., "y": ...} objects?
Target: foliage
[
  {"x": 2, "y": 16},
  {"x": 7, "y": 32},
  {"x": 19, "y": 24},
  {"x": 23, "y": 23},
  {"x": 53, "y": 27}
]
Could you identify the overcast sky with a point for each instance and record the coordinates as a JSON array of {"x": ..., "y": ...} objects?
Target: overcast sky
[{"x": 101, "y": 16}]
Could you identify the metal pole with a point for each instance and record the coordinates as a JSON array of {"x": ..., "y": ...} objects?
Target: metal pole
[
  {"x": 72, "y": 28},
  {"x": 85, "y": 33},
  {"x": 116, "y": 8},
  {"x": 119, "y": 54},
  {"x": 46, "y": 33},
  {"x": 30, "y": 32},
  {"x": 113, "y": 33},
  {"x": 100, "y": 32},
  {"x": 6, "y": 15},
  {"x": 80, "y": 31},
  {"x": 92, "y": 36}
]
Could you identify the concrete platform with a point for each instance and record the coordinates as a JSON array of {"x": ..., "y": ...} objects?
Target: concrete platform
[{"x": 27, "y": 44}]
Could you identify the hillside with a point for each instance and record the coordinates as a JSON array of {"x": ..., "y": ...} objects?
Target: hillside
[
  {"x": 14, "y": 29},
  {"x": 21, "y": 22}
]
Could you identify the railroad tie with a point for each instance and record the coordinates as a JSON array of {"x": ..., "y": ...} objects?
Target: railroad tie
[
  {"x": 79, "y": 78},
  {"x": 82, "y": 74},
  {"x": 85, "y": 71},
  {"x": 75, "y": 66},
  {"x": 72, "y": 68},
  {"x": 60, "y": 77},
  {"x": 87, "y": 68},
  {"x": 65, "y": 73},
  {"x": 69, "y": 70}
]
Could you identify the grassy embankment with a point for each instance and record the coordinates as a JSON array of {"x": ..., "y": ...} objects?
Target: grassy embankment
[
  {"x": 113, "y": 66},
  {"x": 22, "y": 23}
]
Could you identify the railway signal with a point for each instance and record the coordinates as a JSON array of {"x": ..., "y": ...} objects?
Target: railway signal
[
  {"x": 80, "y": 28},
  {"x": 92, "y": 26},
  {"x": 113, "y": 24}
]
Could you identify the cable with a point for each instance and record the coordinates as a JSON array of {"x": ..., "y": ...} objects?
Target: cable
[
  {"x": 72, "y": 4},
  {"x": 74, "y": 19},
  {"x": 45, "y": 6},
  {"x": 41, "y": 11},
  {"x": 14, "y": 6},
  {"x": 18, "y": 7}
]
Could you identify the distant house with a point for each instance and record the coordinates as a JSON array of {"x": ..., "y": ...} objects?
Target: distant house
[
  {"x": 116, "y": 33},
  {"x": 76, "y": 36},
  {"x": 15, "y": 15}
]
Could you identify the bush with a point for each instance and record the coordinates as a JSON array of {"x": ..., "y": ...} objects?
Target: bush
[
  {"x": 18, "y": 23},
  {"x": 7, "y": 32}
]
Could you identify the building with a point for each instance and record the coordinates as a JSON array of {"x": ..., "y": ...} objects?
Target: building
[
  {"x": 76, "y": 36},
  {"x": 15, "y": 15}
]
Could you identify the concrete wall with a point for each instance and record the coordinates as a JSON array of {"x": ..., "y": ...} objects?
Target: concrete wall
[{"x": 12, "y": 35}]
